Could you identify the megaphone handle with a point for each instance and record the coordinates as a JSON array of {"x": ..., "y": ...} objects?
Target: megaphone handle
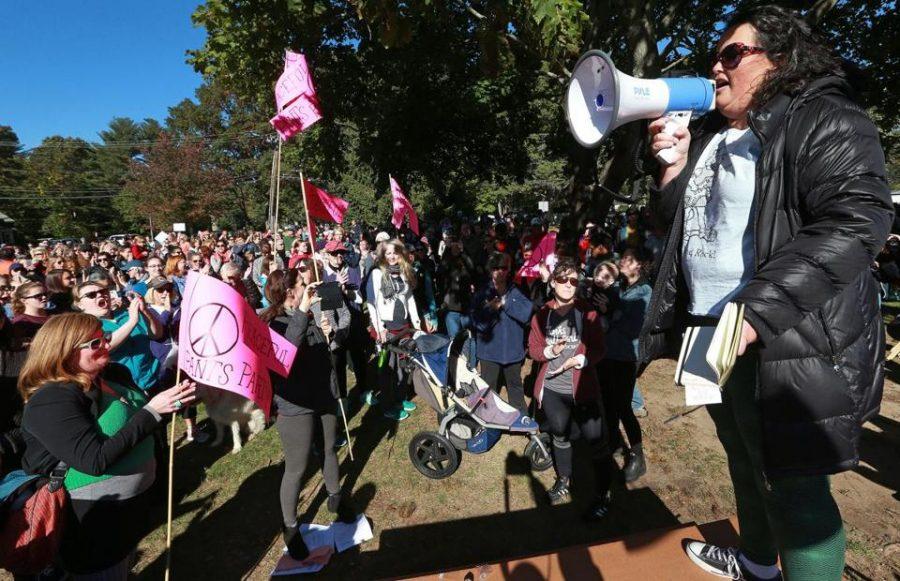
[{"x": 674, "y": 120}]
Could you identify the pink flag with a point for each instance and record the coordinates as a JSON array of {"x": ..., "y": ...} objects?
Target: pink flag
[
  {"x": 223, "y": 344},
  {"x": 545, "y": 252},
  {"x": 295, "y": 95},
  {"x": 402, "y": 207},
  {"x": 295, "y": 81},
  {"x": 323, "y": 205}
]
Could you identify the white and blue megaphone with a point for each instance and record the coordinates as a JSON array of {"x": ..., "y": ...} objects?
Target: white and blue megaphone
[{"x": 600, "y": 98}]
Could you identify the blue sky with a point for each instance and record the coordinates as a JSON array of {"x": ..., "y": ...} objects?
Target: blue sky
[{"x": 67, "y": 67}]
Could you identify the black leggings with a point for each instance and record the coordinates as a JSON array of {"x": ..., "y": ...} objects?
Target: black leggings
[
  {"x": 617, "y": 391},
  {"x": 297, "y": 433},
  {"x": 562, "y": 412},
  {"x": 512, "y": 373}
]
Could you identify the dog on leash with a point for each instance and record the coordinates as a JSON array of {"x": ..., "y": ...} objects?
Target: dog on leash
[{"x": 229, "y": 409}]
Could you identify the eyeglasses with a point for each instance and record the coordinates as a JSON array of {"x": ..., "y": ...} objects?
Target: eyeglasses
[
  {"x": 731, "y": 55},
  {"x": 94, "y": 294},
  {"x": 164, "y": 289},
  {"x": 5, "y": 289},
  {"x": 196, "y": 262},
  {"x": 95, "y": 344},
  {"x": 37, "y": 296},
  {"x": 303, "y": 268},
  {"x": 572, "y": 280}
]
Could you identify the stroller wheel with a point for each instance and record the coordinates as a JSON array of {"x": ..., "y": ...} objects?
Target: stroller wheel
[
  {"x": 433, "y": 455},
  {"x": 540, "y": 459}
]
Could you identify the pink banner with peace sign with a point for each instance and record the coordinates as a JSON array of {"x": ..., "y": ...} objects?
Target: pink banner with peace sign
[{"x": 223, "y": 344}]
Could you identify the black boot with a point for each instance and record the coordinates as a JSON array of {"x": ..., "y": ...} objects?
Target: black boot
[
  {"x": 293, "y": 540},
  {"x": 636, "y": 466},
  {"x": 337, "y": 505}
]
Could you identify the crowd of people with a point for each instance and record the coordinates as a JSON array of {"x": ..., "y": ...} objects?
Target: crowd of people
[{"x": 88, "y": 333}]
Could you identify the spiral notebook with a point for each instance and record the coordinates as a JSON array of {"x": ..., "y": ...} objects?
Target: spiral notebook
[{"x": 707, "y": 357}]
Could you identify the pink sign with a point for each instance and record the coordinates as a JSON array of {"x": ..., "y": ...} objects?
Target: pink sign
[
  {"x": 544, "y": 253},
  {"x": 402, "y": 207},
  {"x": 295, "y": 95},
  {"x": 223, "y": 344}
]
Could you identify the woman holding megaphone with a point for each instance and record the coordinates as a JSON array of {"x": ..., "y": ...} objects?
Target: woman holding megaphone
[{"x": 778, "y": 201}]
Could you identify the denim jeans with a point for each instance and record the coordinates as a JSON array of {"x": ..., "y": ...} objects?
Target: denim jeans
[{"x": 637, "y": 400}]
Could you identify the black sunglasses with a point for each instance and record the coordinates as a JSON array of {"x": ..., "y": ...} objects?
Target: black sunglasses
[
  {"x": 572, "y": 280},
  {"x": 94, "y": 294},
  {"x": 731, "y": 55},
  {"x": 37, "y": 296}
]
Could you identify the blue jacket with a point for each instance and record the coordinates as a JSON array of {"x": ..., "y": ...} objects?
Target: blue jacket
[
  {"x": 626, "y": 322},
  {"x": 501, "y": 334}
]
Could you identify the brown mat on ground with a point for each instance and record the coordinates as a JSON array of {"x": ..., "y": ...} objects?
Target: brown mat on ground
[{"x": 654, "y": 554}]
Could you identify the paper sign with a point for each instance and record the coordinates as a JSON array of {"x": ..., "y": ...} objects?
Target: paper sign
[
  {"x": 348, "y": 535},
  {"x": 223, "y": 344},
  {"x": 178, "y": 227},
  {"x": 544, "y": 253},
  {"x": 161, "y": 238},
  {"x": 544, "y": 206}
]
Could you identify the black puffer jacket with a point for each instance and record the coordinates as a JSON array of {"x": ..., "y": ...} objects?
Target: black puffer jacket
[{"x": 823, "y": 211}]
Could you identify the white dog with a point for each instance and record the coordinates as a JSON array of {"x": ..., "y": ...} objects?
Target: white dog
[{"x": 226, "y": 408}]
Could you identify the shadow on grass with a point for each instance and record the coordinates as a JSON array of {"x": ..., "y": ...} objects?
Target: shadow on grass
[
  {"x": 455, "y": 544},
  {"x": 251, "y": 519}
]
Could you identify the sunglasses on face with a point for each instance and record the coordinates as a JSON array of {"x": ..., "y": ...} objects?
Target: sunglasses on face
[
  {"x": 496, "y": 268},
  {"x": 37, "y": 296},
  {"x": 5, "y": 289},
  {"x": 572, "y": 280},
  {"x": 731, "y": 55},
  {"x": 164, "y": 289},
  {"x": 95, "y": 344},
  {"x": 94, "y": 294},
  {"x": 303, "y": 268}
]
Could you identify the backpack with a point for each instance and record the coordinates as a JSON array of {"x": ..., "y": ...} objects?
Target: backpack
[{"x": 33, "y": 510}]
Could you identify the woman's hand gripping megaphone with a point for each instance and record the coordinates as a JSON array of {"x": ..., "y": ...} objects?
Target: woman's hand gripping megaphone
[{"x": 672, "y": 140}]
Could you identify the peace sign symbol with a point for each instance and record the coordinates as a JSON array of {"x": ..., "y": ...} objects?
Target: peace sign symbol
[{"x": 213, "y": 330}]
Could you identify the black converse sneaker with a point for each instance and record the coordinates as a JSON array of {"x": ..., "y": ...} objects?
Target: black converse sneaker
[
  {"x": 722, "y": 561},
  {"x": 560, "y": 491}
]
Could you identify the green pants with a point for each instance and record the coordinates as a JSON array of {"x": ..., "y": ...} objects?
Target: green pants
[{"x": 795, "y": 518}]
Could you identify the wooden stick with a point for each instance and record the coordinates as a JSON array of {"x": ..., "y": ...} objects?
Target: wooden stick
[
  {"x": 894, "y": 352},
  {"x": 171, "y": 480},
  {"x": 346, "y": 429},
  {"x": 309, "y": 227},
  {"x": 272, "y": 179},
  {"x": 277, "y": 189}
]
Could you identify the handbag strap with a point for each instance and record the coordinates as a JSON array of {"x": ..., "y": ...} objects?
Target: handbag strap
[{"x": 57, "y": 476}]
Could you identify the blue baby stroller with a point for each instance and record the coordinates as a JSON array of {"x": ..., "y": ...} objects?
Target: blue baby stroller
[{"x": 471, "y": 416}]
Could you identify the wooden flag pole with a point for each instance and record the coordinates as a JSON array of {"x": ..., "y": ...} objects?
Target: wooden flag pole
[
  {"x": 309, "y": 227},
  {"x": 312, "y": 246},
  {"x": 277, "y": 188},
  {"x": 171, "y": 480},
  {"x": 272, "y": 179}
]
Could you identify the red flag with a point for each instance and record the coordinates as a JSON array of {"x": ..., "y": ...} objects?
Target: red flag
[
  {"x": 295, "y": 95},
  {"x": 322, "y": 205},
  {"x": 402, "y": 207}
]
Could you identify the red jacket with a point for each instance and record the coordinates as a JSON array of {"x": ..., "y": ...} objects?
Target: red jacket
[{"x": 586, "y": 385}]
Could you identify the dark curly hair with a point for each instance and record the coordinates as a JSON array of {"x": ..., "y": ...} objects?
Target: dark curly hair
[{"x": 799, "y": 53}]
